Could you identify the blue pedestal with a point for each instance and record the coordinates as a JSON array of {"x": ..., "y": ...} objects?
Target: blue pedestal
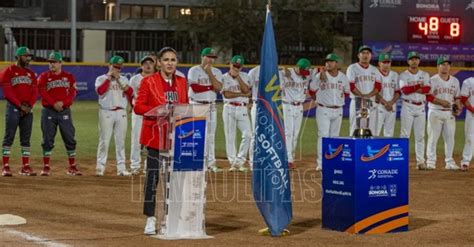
[{"x": 365, "y": 185}]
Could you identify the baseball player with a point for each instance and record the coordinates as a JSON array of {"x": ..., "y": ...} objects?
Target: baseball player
[
  {"x": 147, "y": 68},
  {"x": 254, "y": 77},
  {"x": 164, "y": 87},
  {"x": 414, "y": 85},
  {"x": 329, "y": 93},
  {"x": 388, "y": 97},
  {"x": 204, "y": 81},
  {"x": 467, "y": 98},
  {"x": 364, "y": 82},
  {"x": 20, "y": 90},
  {"x": 114, "y": 95},
  {"x": 443, "y": 106},
  {"x": 294, "y": 85},
  {"x": 236, "y": 92},
  {"x": 58, "y": 90}
]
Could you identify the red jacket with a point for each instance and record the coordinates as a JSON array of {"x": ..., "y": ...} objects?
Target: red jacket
[
  {"x": 19, "y": 85},
  {"x": 155, "y": 91},
  {"x": 54, "y": 88}
]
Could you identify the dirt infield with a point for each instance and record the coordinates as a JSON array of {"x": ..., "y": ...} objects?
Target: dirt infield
[{"x": 106, "y": 211}]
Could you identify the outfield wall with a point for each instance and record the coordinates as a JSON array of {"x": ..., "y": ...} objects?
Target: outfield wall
[{"x": 86, "y": 73}]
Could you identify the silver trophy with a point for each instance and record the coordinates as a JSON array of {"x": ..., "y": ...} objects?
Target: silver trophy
[{"x": 363, "y": 107}]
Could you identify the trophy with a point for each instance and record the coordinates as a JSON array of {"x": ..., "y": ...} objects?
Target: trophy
[{"x": 363, "y": 107}]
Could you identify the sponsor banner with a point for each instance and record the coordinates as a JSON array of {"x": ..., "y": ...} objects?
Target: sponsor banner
[
  {"x": 365, "y": 185},
  {"x": 189, "y": 143}
]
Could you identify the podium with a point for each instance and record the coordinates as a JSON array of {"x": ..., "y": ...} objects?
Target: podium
[
  {"x": 183, "y": 158},
  {"x": 365, "y": 185}
]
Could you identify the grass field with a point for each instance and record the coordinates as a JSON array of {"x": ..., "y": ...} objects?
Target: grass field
[{"x": 85, "y": 117}]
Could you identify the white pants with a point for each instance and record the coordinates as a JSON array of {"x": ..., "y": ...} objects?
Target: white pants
[
  {"x": 468, "y": 138},
  {"x": 112, "y": 122},
  {"x": 253, "y": 117},
  {"x": 353, "y": 122},
  {"x": 440, "y": 122},
  {"x": 386, "y": 120},
  {"x": 135, "y": 150},
  {"x": 236, "y": 117},
  {"x": 414, "y": 115},
  {"x": 292, "y": 117},
  {"x": 329, "y": 122}
]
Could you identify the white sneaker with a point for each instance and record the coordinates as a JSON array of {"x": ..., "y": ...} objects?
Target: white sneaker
[
  {"x": 430, "y": 167},
  {"x": 150, "y": 227},
  {"x": 123, "y": 173},
  {"x": 319, "y": 168},
  {"x": 452, "y": 167},
  {"x": 421, "y": 166},
  {"x": 243, "y": 169},
  {"x": 464, "y": 167},
  {"x": 214, "y": 169},
  {"x": 135, "y": 171},
  {"x": 233, "y": 168},
  {"x": 99, "y": 171}
]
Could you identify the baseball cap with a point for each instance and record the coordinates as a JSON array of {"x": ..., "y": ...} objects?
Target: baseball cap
[
  {"x": 116, "y": 61},
  {"x": 208, "y": 52},
  {"x": 303, "y": 63},
  {"x": 443, "y": 59},
  {"x": 333, "y": 57},
  {"x": 146, "y": 58},
  {"x": 384, "y": 57},
  {"x": 23, "y": 51},
  {"x": 364, "y": 47},
  {"x": 238, "y": 61},
  {"x": 55, "y": 57},
  {"x": 413, "y": 54}
]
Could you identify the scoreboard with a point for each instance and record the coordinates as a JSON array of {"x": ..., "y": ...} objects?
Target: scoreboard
[{"x": 434, "y": 27}]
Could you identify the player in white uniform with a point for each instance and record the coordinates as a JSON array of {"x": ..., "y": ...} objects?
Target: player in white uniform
[
  {"x": 294, "y": 83},
  {"x": 329, "y": 93},
  {"x": 467, "y": 98},
  {"x": 236, "y": 92},
  {"x": 414, "y": 85},
  {"x": 147, "y": 68},
  {"x": 114, "y": 95},
  {"x": 364, "y": 81},
  {"x": 204, "y": 81},
  {"x": 254, "y": 77},
  {"x": 388, "y": 97},
  {"x": 444, "y": 94}
]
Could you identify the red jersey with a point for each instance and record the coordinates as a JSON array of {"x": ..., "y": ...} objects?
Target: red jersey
[
  {"x": 19, "y": 85},
  {"x": 155, "y": 91},
  {"x": 57, "y": 87}
]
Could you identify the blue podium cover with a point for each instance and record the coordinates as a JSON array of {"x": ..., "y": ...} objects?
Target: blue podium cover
[
  {"x": 189, "y": 144},
  {"x": 365, "y": 185}
]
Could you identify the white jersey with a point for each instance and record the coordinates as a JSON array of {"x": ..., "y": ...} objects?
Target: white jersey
[
  {"x": 330, "y": 92},
  {"x": 294, "y": 86},
  {"x": 467, "y": 90},
  {"x": 114, "y": 97},
  {"x": 254, "y": 77},
  {"x": 390, "y": 85},
  {"x": 135, "y": 84},
  {"x": 445, "y": 90},
  {"x": 197, "y": 75},
  {"x": 232, "y": 85},
  {"x": 364, "y": 78},
  {"x": 408, "y": 79}
]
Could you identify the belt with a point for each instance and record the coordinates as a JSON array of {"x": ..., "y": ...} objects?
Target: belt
[
  {"x": 204, "y": 102},
  {"x": 330, "y": 106},
  {"x": 113, "y": 109},
  {"x": 413, "y": 102},
  {"x": 293, "y": 103},
  {"x": 237, "y": 104},
  {"x": 443, "y": 109}
]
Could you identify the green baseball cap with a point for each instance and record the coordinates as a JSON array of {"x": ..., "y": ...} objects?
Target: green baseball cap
[
  {"x": 303, "y": 63},
  {"x": 116, "y": 60},
  {"x": 208, "y": 52},
  {"x": 384, "y": 57},
  {"x": 365, "y": 48},
  {"x": 238, "y": 61},
  {"x": 23, "y": 51},
  {"x": 413, "y": 54},
  {"x": 443, "y": 59},
  {"x": 146, "y": 58},
  {"x": 55, "y": 57},
  {"x": 333, "y": 57}
]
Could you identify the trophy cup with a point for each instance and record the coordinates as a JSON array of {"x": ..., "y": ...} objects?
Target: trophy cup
[{"x": 363, "y": 107}]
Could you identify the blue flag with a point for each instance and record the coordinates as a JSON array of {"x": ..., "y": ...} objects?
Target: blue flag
[{"x": 271, "y": 180}]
